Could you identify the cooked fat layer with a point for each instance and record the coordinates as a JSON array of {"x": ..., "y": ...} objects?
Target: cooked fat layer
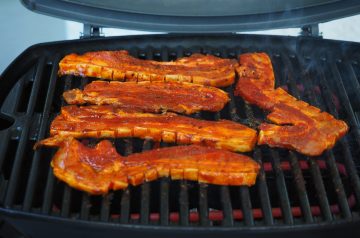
[
  {"x": 119, "y": 65},
  {"x": 100, "y": 169},
  {"x": 298, "y": 125},
  {"x": 110, "y": 122},
  {"x": 177, "y": 97}
]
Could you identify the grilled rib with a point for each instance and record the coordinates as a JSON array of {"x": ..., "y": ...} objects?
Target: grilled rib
[
  {"x": 100, "y": 169},
  {"x": 184, "y": 98},
  {"x": 300, "y": 126},
  {"x": 119, "y": 65},
  {"x": 106, "y": 121}
]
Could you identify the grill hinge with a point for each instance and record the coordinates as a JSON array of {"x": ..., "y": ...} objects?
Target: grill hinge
[
  {"x": 91, "y": 31},
  {"x": 310, "y": 30}
]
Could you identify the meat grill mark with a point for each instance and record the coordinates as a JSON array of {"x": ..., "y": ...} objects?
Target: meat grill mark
[
  {"x": 300, "y": 126},
  {"x": 153, "y": 97},
  {"x": 119, "y": 65},
  {"x": 100, "y": 169}
]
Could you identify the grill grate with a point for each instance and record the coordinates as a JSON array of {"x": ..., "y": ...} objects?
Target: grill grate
[{"x": 291, "y": 189}]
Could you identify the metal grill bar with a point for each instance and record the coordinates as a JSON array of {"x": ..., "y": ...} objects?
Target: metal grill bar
[
  {"x": 320, "y": 189},
  {"x": 66, "y": 200},
  {"x": 65, "y": 207},
  {"x": 203, "y": 199},
  {"x": 189, "y": 212},
  {"x": 351, "y": 169},
  {"x": 329, "y": 154},
  {"x": 203, "y": 204},
  {"x": 228, "y": 219},
  {"x": 13, "y": 181},
  {"x": 246, "y": 206},
  {"x": 47, "y": 198},
  {"x": 263, "y": 190},
  {"x": 5, "y": 136},
  {"x": 338, "y": 185},
  {"x": 244, "y": 191},
  {"x": 349, "y": 160},
  {"x": 315, "y": 171},
  {"x": 299, "y": 179},
  {"x": 184, "y": 203},
  {"x": 85, "y": 206},
  {"x": 164, "y": 201},
  {"x": 261, "y": 181},
  {"x": 164, "y": 183},
  {"x": 105, "y": 207},
  {"x": 281, "y": 189},
  {"x": 46, "y": 208},
  {"x": 345, "y": 101},
  {"x": 301, "y": 188},
  {"x": 125, "y": 197},
  {"x": 30, "y": 187},
  {"x": 355, "y": 84},
  {"x": 145, "y": 192},
  {"x": 125, "y": 206}
]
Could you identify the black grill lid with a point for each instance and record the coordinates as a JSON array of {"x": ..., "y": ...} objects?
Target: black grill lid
[{"x": 197, "y": 15}]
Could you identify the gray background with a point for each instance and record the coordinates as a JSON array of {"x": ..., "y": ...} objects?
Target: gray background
[{"x": 21, "y": 28}]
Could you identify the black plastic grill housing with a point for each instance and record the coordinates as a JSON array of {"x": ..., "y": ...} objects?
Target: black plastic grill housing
[{"x": 294, "y": 193}]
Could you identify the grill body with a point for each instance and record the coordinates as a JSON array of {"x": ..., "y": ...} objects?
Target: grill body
[{"x": 294, "y": 194}]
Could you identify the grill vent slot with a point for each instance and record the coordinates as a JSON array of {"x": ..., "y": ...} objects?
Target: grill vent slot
[
  {"x": 25, "y": 94},
  {"x": 45, "y": 80},
  {"x": 7, "y": 163},
  {"x": 5, "y": 121}
]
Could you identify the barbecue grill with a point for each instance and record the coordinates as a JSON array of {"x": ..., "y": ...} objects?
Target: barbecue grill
[{"x": 294, "y": 194}]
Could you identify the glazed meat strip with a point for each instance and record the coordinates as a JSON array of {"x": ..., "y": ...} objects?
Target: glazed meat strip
[
  {"x": 106, "y": 121},
  {"x": 100, "y": 169},
  {"x": 298, "y": 125},
  {"x": 177, "y": 97},
  {"x": 119, "y": 65}
]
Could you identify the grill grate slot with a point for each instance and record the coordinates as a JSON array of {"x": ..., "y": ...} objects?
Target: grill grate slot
[
  {"x": 244, "y": 191},
  {"x": 85, "y": 207},
  {"x": 65, "y": 206},
  {"x": 105, "y": 207},
  {"x": 19, "y": 157},
  {"x": 30, "y": 188},
  {"x": 228, "y": 219},
  {"x": 266, "y": 209},
  {"x": 294, "y": 88},
  {"x": 301, "y": 188},
  {"x": 338, "y": 186},
  {"x": 352, "y": 86},
  {"x": 125, "y": 198},
  {"x": 203, "y": 204},
  {"x": 281, "y": 189},
  {"x": 320, "y": 189},
  {"x": 246, "y": 206},
  {"x": 164, "y": 183},
  {"x": 184, "y": 203},
  {"x": 263, "y": 191},
  {"x": 145, "y": 192},
  {"x": 329, "y": 156}
]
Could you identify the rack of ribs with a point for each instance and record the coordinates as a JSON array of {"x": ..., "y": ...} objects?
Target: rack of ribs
[
  {"x": 119, "y": 65},
  {"x": 100, "y": 169},
  {"x": 110, "y": 122},
  {"x": 300, "y": 126},
  {"x": 153, "y": 97}
]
